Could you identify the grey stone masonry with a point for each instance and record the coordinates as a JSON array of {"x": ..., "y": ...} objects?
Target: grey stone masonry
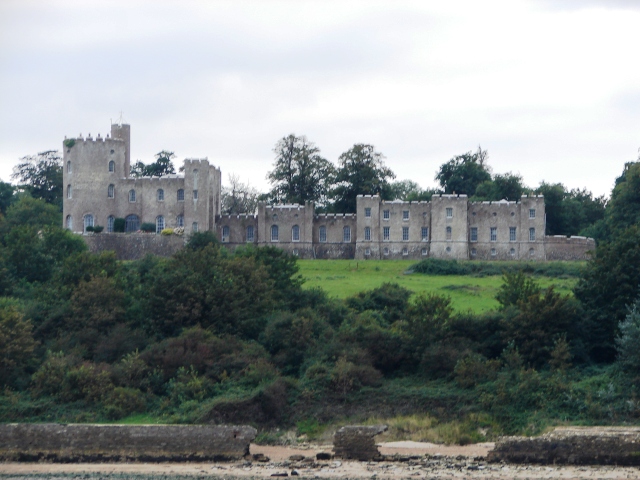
[
  {"x": 573, "y": 446},
  {"x": 52, "y": 442},
  {"x": 357, "y": 442}
]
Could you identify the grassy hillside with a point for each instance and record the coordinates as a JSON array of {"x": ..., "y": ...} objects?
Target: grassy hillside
[{"x": 344, "y": 278}]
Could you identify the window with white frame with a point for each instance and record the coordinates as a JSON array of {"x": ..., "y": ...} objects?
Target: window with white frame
[
  {"x": 493, "y": 234},
  {"x": 111, "y": 191},
  {"x": 385, "y": 251},
  {"x": 493, "y": 252},
  {"x": 274, "y": 233},
  {"x": 295, "y": 233},
  {"x": 180, "y": 221},
  {"x": 69, "y": 192},
  {"x": 532, "y": 213},
  {"x": 250, "y": 233},
  {"x": 386, "y": 233},
  {"x": 69, "y": 166},
  {"x": 405, "y": 251},
  {"x": 88, "y": 221},
  {"x": 512, "y": 234},
  {"x": 405, "y": 215},
  {"x": 473, "y": 234},
  {"x": 405, "y": 234},
  {"x": 194, "y": 227},
  {"x": 367, "y": 212},
  {"x": 346, "y": 234},
  {"x": 424, "y": 234},
  {"x": 160, "y": 195},
  {"x": 367, "y": 252},
  {"x": 512, "y": 252},
  {"x": 225, "y": 233},
  {"x": 448, "y": 233},
  {"x": 69, "y": 223},
  {"x": 132, "y": 195},
  {"x": 322, "y": 234},
  {"x": 159, "y": 224},
  {"x": 532, "y": 234},
  {"x": 181, "y": 195},
  {"x": 385, "y": 214},
  {"x": 110, "y": 221},
  {"x": 424, "y": 251},
  {"x": 449, "y": 212},
  {"x": 367, "y": 234}
]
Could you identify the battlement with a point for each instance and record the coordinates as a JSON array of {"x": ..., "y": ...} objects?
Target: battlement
[
  {"x": 334, "y": 215},
  {"x": 284, "y": 206},
  {"x": 237, "y": 216},
  {"x": 196, "y": 160},
  {"x": 449, "y": 196}
]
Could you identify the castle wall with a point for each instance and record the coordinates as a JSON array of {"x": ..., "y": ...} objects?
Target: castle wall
[
  {"x": 449, "y": 228},
  {"x": 334, "y": 246},
  {"x": 278, "y": 225},
  {"x": 560, "y": 247},
  {"x": 133, "y": 246}
]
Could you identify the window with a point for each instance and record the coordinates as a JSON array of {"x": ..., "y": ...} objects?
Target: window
[
  {"x": 131, "y": 223},
  {"x": 132, "y": 195},
  {"x": 493, "y": 234},
  {"x": 424, "y": 234},
  {"x": 295, "y": 252},
  {"x": 88, "y": 221},
  {"x": 274, "y": 233},
  {"x": 367, "y": 234},
  {"x": 405, "y": 214},
  {"x": 68, "y": 191},
  {"x": 225, "y": 233},
  {"x": 532, "y": 213},
  {"x": 69, "y": 222},
  {"x": 195, "y": 194},
  {"x": 405, "y": 251},
  {"x": 160, "y": 195},
  {"x": 424, "y": 251},
  {"x": 110, "y": 221},
  {"x": 346, "y": 234},
  {"x": 194, "y": 227},
  {"x": 295, "y": 233},
  {"x": 474, "y": 252},
  {"x": 367, "y": 212},
  {"x": 181, "y": 195},
  {"x": 473, "y": 234},
  {"x": 112, "y": 166},
  {"x": 386, "y": 251},
  {"x": 512, "y": 234},
  {"x": 493, "y": 252},
  {"x": 250, "y": 233},
  {"x": 531, "y": 252},
  {"x": 385, "y": 214},
  {"x": 449, "y": 212},
  {"x": 367, "y": 252},
  {"x": 180, "y": 221},
  {"x": 111, "y": 191},
  {"x": 512, "y": 252},
  {"x": 322, "y": 233},
  {"x": 275, "y": 217},
  {"x": 405, "y": 234},
  {"x": 69, "y": 166},
  {"x": 448, "y": 249},
  {"x": 448, "y": 233},
  {"x": 159, "y": 223},
  {"x": 532, "y": 234},
  {"x": 385, "y": 233}
]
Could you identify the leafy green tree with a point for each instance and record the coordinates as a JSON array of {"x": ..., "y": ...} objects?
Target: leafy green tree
[
  {"x": 41, "y": 176},
  {"x": 299, "y": 173},
  {"x": 163, "y": 166},
  {"x": 390, "y": 299},
  {"x": 7, "y": 196},
  {"x": 409, "y": 191},
  {"x": 506, "y": 186},
  {"x": 628, "y": 341},
  {"x": 463, "y": 173},
  {"x": 516, "y": 287},
  {"x": 624, "y": 207},
  {"x": 28, "y": 211},
  {"x": 16, "y": 340},
  {"x": 361, "y": 172}
]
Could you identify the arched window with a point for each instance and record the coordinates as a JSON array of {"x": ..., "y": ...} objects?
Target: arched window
[
  {"x": 194, "y": 227},
  {"x": 159, "y": 223},
  {"x": 225, "y": 233},
  {"x": 132, "y": 195},
  {"x": 88, "y": 221},
  {"x": 448, "y": 233},
  {"x": 112, "y": 166},
  {"x": 250, "y": 234},
  {"x": 110, "y": 221},
  {"x": 322, "y": 234},
  {"x": 69, "y": 166},
  {"x": 367, "y": 234},
  {"x": 111, "y": 191},
  {"x": 181, "y": 195},
  {"x": 295, "y": 233},
  {"x": 532, "y": 234},
  {"x": 69, "y": 222},
  {"x": 274, "y": 233},
  {"x": 131, "y": 223},
  {"x": 346, "y": 234},
  {"x": 160, "y": 195},
  {"x": 180, "y": 221},
  {"x": 68, "y": 191}
]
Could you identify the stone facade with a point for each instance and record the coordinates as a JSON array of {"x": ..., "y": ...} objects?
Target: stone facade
[{"x": 100, "y": 189}]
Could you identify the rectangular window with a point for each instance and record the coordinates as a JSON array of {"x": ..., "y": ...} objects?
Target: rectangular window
[
  {"x": 385, "y": 251},
  {"x": 225, "y": 233},
  {"x": 385, "y": 214},
  {"x": 195, "y": 194},
  {"x": 367, "y": 212},
  {"x": 322, "y": 233},
  {"x": 367, "y": 234},
  {"x": 346, "y": 234},
  {"x": 532, "y": 234},
  {"x": 493, "y": 252},
  {"x": 512, "y": 234},
  {"x": 367, "y": 251},
  {"x": 493, "y": 232},
  {"x": 425, "y": 234},
  {"x": 424, "y": 251},
  {"x": 448, "y": 233},
  {"x": 405, "y": 234},
  {"x": 194, "y": 226},
  {"x": 449, "y": 212},
  {"x": 405, "y": 252},
  {"x": 250, "y": 234},
  {"x": 532, "y": 213},
  {"x": 405, "y": 214},
  {"x": 473, "y": 235},
  {"x": 385, "y": 233}
]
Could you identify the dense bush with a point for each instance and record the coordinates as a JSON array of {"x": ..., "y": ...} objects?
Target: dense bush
[{"x": 437, "y": 266}]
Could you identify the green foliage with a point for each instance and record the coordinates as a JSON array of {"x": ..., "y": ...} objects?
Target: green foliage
[
  {"x": 438, "y": 266},
  {"x": 16, "y": 341},
  {"x": 69, "y": 142},
  {"x": 28, "y": 211},
  {"x": 628, "y": 341},
  {"x": 516, "y": 287},
  {"x": 464, "y": 173},
  {"x": 97, "y": 228},
  {"x": 199, "y": 240},
  {"x": 161, "y": 167},
  {"x": 502, "y": 186},
  {"x": 148, "y": 227},
  {"x": 7, "y": 196},
  {"x": 119, "y": 225},
  {"x": 41, "y": 176},
  {"x": 390, "y": 298},
  {"x": 409, "y": 191}
]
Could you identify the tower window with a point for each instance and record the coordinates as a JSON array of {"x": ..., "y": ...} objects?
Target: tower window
[
  {"x": 424, "y": 233},
  {"x": 132, "y": 195},
  {"x": 512, "y": 234},
  {"x": 111, "y": 191},
  {"x": 367, "y": 212},
  {"x": 110, "y": 221},
  {"x": 385, "y": 214},
  {"x": 69, "y": 166},
  {"x": 160, "y": 195},
  {"x": 405, "y": 234},
  {"x": 448, "y": 233},
  {"x": 69, "y": 191},
  {"x": 69, "y": 223},
  {"x": 473, "y": 234},
  {"x": 532, "y": 234},
  {"x": 88, "y": 221},
  {"x": 181, "y": 195},
  {"x": 112, "y": 165},
  {"x": 405, "y": 214},
  {"x": 367, "y": 234},
  {"x": 180, "y": 221},
  {"x": 449, "y": 212},
  {"x": 532, "y": 213},
  {"x": 274, "y": 233},
  {"x": 493, "y": 232},
  {"x": 386, "y": 233}
]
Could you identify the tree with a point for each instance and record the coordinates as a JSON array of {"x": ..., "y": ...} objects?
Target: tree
[
  {"x": 516, "y": 287},
  {"x": 463, "y": 173},
  {"x": 624, "y": 207},
  {"x": 628, "y": 341},
  {"x": 41, "y": 176},
  {"x": 409, "y": 191},
  {"x": 299, "y": 173},
  {"x": 16, "y": 340},
  {"x": 7, "y": 196},
  {"x": 161, "y": 167},
  {"x": 506, "y": 186},
  {"x": 362, "y": 172},
  {"x": 32, "y": 212},
  {"x": 238, "y": 197}
]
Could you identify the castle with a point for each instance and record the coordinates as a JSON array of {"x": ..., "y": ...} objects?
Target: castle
[{"x": 99, "y": 189}]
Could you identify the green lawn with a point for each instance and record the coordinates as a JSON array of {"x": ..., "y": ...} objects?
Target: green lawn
[{"x": 344, "y": 278}]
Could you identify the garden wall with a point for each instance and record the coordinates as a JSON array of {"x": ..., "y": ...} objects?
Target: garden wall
[{"x": 132, "y": 246}]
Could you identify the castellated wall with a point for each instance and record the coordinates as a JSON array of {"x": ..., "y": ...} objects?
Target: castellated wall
[
  {"x": 560, "y": 247},
  {"x": 339, "y": 239},
  {"x": 449, "y": 227}
]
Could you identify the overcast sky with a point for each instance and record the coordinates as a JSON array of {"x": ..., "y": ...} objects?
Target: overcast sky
[{"x": 550, "y": 88}]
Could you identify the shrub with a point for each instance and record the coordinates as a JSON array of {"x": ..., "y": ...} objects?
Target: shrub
[
  {"x": 122, "y": 401},
  {"x": 629, "y": 339},
  {"x": 89, "y": 228},
  {"x": 118, "y": 225},
  {"x": 148, "y": 227},
  {"x": 98, "y": 228},
  {"x": 167, "y": 231}
]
